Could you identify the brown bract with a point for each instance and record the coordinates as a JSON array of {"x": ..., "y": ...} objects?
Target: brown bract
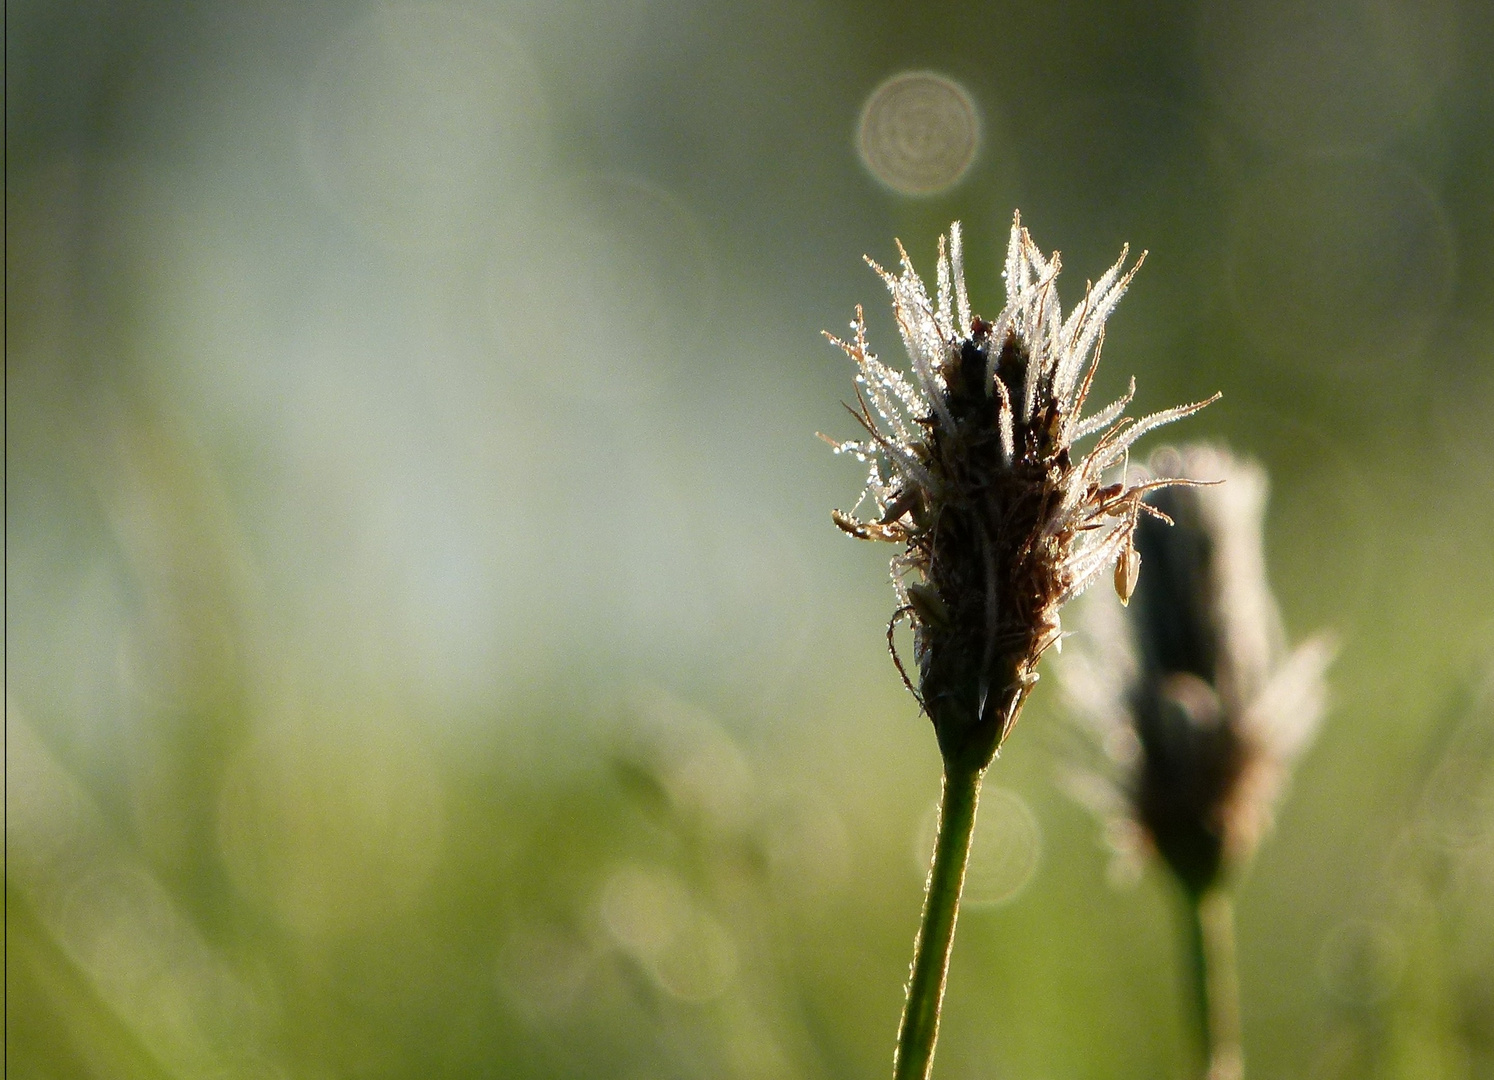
[{"x": 973, "y": 470}]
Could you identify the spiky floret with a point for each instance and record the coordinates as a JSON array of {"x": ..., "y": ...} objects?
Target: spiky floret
[{"x": 973, "y": 471}]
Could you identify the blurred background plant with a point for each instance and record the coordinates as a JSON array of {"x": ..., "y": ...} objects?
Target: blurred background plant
[
  {"x": 426, "y": 649},
  {"x": 1196, "y": 710}
]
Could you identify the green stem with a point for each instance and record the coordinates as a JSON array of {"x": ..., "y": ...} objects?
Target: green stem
[
  {"x": 920, "y": 1026},
  {"x": 1216, "y": 982}
]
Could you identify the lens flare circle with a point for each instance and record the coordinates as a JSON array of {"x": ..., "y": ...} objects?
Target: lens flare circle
[
  {"x": 427, "y": 126},
  {"x": 1342, "y": 269},
  {"x": 919, "y": 133},
  {"x": 1004, "y": 853}
]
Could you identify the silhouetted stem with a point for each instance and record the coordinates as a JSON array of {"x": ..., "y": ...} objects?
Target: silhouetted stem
[
  {"x": 920, "y": 1027},
  {"x": 1216, "y": 982}
]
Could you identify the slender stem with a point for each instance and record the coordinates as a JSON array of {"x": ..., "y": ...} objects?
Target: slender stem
[
  {"x": 1216, "y": 982},
  {"x": 1198, "y": 975},
  {"x": 920, "y": 1026}
]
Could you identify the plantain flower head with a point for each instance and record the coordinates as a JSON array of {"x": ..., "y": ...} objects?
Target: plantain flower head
[
  {"x": 1192, "y": 693},
  {"x": 975, "y": 475}
]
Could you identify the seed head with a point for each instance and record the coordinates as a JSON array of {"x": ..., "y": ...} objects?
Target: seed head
[
  {"x": 1192, "y": 691},
  {"x": 973, "y": 471}
]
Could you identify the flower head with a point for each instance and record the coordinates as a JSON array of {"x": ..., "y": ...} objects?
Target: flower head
[
  {"x": 973, "y": 470},
  {"x": 1192, "y": 692}
]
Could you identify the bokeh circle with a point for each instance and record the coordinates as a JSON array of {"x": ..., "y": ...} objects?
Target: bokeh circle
[
  {"x": 1004, "y": 853},
  {"x": 426, "y": 125},
  {"x": 1341, "y": 268},
  {"x": 919, "y": 133}
]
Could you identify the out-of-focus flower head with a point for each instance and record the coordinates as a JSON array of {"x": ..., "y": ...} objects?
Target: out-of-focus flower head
[
  {"x": 973, "y": 470},
  {"x": 1192, "y": 692}
]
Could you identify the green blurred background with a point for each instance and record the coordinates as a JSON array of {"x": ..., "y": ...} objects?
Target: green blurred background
[{"x": 428, "y": 649}]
